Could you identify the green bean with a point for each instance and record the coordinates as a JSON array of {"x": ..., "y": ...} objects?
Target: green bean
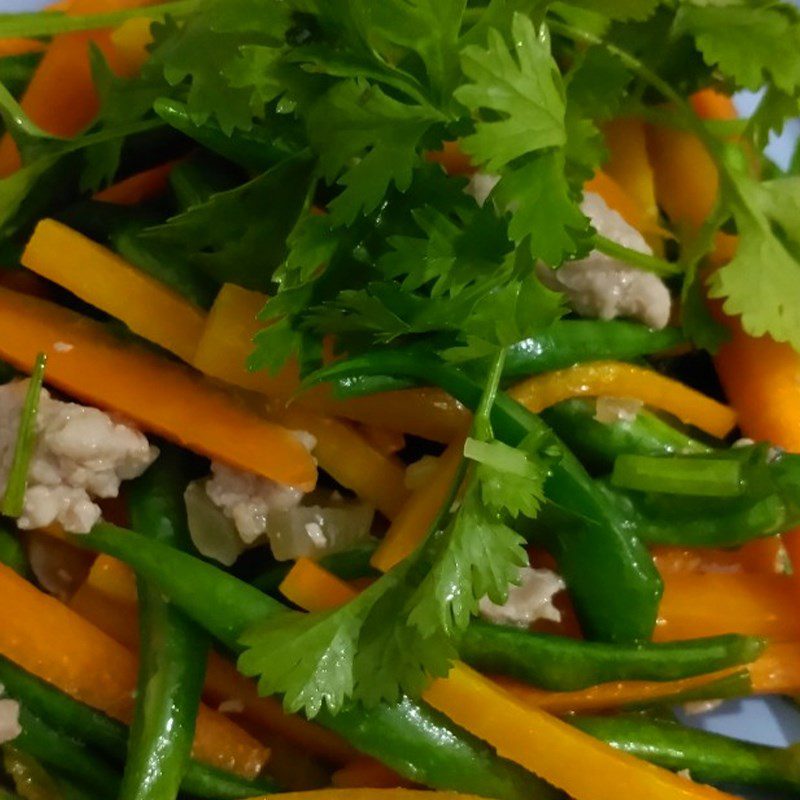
[
  {"x": 610, "y": 573},
  {"x": 597, "y": 444},
  {"x": 408, "y": 736},
  {"x": 54, "y": 749},
  {"x": 96, "y": 730},
  {"x": 12, "y": 554},
  {"x": 561, "y": 664},
  {"x": 172, "y": 652},
  {"x": 709, "y": 757}
]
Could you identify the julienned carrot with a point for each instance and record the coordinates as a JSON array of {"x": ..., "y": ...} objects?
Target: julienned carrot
[
  {"x": 453, "y": 159},
  {"x": 366, "y": 772},
  {"x": 686, "y": 178},
  {"x": 760, "y": 556},
  {"x": 629, "y": 165},
  {"x": 382, "y": 439},
  {"x": 50, "y": 640},
  {"x": 582, "y": 766},
  {"x": 350, "y": 459},
  {"x": 105, "y": 280},
  {"x": 61, "y": 97},
  {"x": 131, "y": 41},
  {"x": 138, "y": 188},
  {"x": 716, "y": 603},
  {"x": 107, "y": 599},
  {"x": 409, "y": 527},
  {"x": 312, "y": 587},
  {"x": 776, "y": 671},
  {"x": 226, "y": 345},
  {"x": 19, "y": 47},
  {"x": 374, "y": 794},
  {"x": 618, "y": 379},
  {"x": 89, "y": 363}
]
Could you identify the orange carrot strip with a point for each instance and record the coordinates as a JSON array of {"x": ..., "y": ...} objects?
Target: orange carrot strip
[
  {"x": 571, "y": 760},
  {"x": 107, "y": 599},
  {"x": 452, "y": 158},
  {"x": 717, "y": 603},
  {"x": 105, "y": 280},
  {"x": 138, "y": 188},
  {"x": 776, "y": 671},
  {"x": 606, "y": 696},
  {"x": 629, "y": 166},
  {"x": 350, "y": 459},
  {"x": 162, "y": 396},
  {"x": 686, "y": 178},
  {"x": 19, "y": 47},
  {"x": 760, "y": 556},
  {"x": 131, "y": 41},
  {"x": 61, "y": 97},
  {"x": 226, "y": 345},
  {"x": 619, "y": 379},
  {"x": 366, "y": 772},
  {"x": 411, "y": 525},
  {"x": 373, "y": 794},
  {"x": 382, "y": 439},
  {"x": 312, "y": 587},
  {"x": 51, "y": 641}
]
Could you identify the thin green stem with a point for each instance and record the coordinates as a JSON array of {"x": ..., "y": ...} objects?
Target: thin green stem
[
  {"x": 14, "y": 497},
  {"x": 482, "y": 426},
  {"x": 635, "y": 258},
  {"x": 52, "y": 23}
]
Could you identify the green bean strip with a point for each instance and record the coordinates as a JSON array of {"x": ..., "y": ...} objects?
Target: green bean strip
[
  {"x": 561, "y": 664},
  {"x": 613, "y": 582},
  {"x": 173, "y": 650},
  {"x": 12, "y": 553},
  {"x": 709, "y": 757},
  {"x": 68, "y": 756},
  {"x": 96, "y": 730},
  {"x": 408, "y": 736},
  {"x": 597, "y": 444}
]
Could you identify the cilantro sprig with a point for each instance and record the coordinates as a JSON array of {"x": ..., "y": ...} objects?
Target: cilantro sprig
[{"x": 401, "y": 632}]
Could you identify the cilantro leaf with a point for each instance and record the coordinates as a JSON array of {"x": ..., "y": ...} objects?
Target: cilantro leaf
[
  {"x": 358, "y": 120},
  {"x": 240, "y": 235},
  {"x": 522, "y": 87},
  {"x": 750, "y": 43},
  {"x": 543, "y": 210},
  {"x": 767, "y": 298}
]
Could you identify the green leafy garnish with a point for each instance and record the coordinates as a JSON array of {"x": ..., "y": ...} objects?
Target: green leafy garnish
[
  {"x": 400, "y": 632},
  {"x": 14, "y": 497}
]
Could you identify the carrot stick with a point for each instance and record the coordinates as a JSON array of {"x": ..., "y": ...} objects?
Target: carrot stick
[
  {"x": 382, "y": 439},
  {"x": 53, "y": 642},
  {"x": 629, "y": 166},
  {"x": 452, "y": 158},
  {"x": 226, "y": 345},
  {"x": 760, "y": 556},
  {"x": 312, "y": 587},
  {"x": 626, "y": 380},
  {"x": 107, "y": 599},
  {"x": 411, "y": 525},
  {"x": 61, "y": 97},
  {"x": 138, "y": 188},
  {"x": 105, "y": 280},
  {"x": 366, "y": 772},
  {"x": 582, "y": 766},
  {"x": 776, "y": 671},
  {"x": 162, "y": 396},
  {"x": 716, "y": 603},
  {"x": 350, "y": 459},
  {"x": 374, "y": 794},
  {"x": 19, "y": 47}
]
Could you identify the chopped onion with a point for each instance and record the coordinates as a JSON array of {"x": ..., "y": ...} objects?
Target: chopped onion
[
  {"x": 317, "y": 530},
  {"x": 214, "y": 535}
]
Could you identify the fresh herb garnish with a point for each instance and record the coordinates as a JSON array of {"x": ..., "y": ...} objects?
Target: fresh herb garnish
[
  {"x": 17, "y": 482},
  {"x": 401, "y": 631}
]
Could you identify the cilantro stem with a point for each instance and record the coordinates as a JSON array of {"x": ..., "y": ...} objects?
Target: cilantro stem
[
  {"x": 14, "y": 497},
  {"x": 643, "y": 261},
  {"x": 482, "y": 425},
  {"x": 51, "y": 23}
]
